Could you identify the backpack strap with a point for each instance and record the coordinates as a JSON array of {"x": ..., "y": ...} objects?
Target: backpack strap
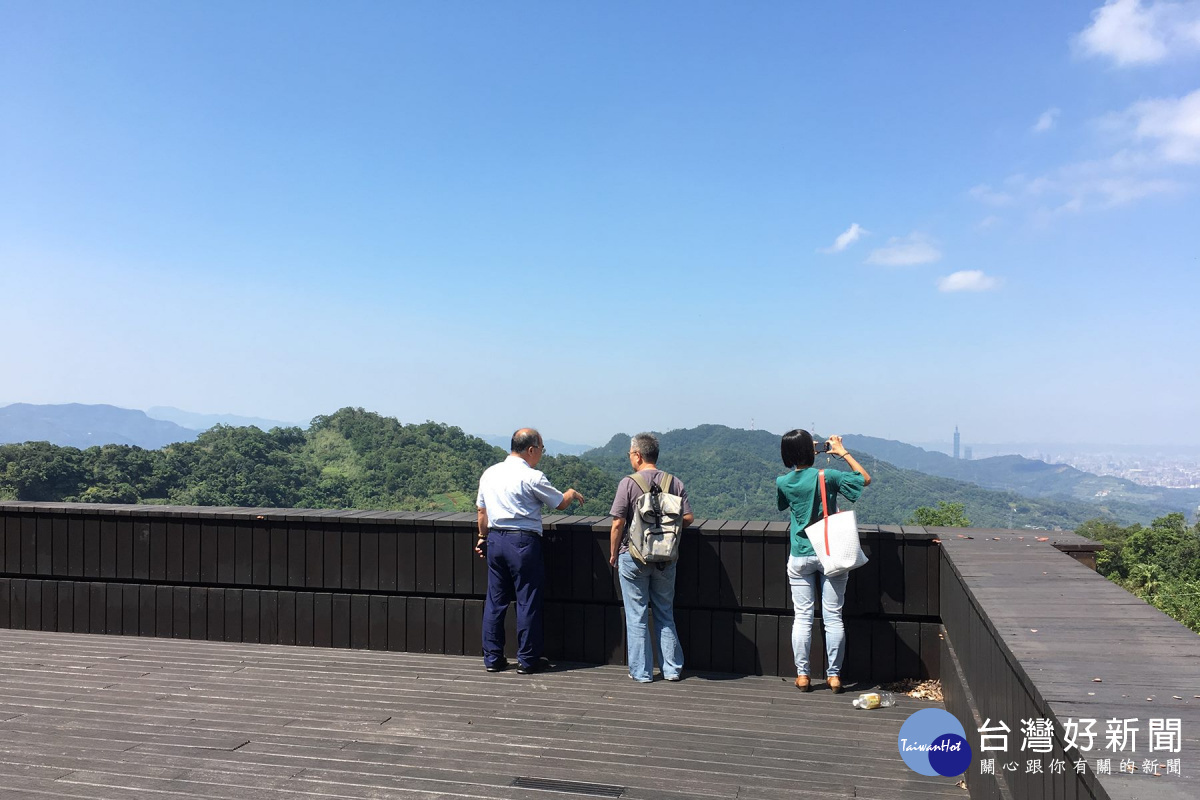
[
  {"x": 641, "y": 482},
  {"x": 664, "y": 482}
]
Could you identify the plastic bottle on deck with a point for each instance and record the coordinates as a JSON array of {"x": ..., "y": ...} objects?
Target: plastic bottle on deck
[{"x": 875, "y": 700}]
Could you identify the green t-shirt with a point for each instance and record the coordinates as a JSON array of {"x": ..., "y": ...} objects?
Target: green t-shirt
[{"x": 797, "y": 490}]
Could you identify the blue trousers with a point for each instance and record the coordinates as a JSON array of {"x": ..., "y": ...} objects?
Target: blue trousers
[{"x": 516, "y": 571}]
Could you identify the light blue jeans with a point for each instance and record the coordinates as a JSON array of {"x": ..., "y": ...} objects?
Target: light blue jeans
[
  {"x": 644, "y": 587},
  {"x": 804, "y": 576}
]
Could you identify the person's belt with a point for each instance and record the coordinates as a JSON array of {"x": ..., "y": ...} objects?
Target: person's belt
[{"x": 514, "y": 530}]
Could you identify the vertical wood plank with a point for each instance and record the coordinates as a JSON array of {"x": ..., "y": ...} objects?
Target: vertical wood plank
[
  {"x": 147, "y": 611},
  {"x": 174, "y": 554},
  {"x": 305, "y": 618},
  {"x": 406, "y": 559},
  {"x": 268, "y": 616},
  {"x": 368, "y": 558},
  {"x": 332, "y": 542},
  {"x": 443, "y": 560},
  {"x": 181, "y": 611},
  {"x": 198, "y": 602},
  {"x": 58, "y": 547},
  {"x": 243, "y": 553},
  {"x": 323, "y": 620},
  {"x": 296, "y": 563},
  {"x": 66, "y": 606},
  {"x": 287, "y": 617},
  {"x": 340, "y": 621},
  {"x": 141, "y": 549},
  {"x": 351, "y": 556},
  {"x": 74, "y": 547},
  {"x": 279, "y": 554},
  {"x": 397, "y": 624},
  {"x": 251, "y": 612},
  {"x": 377, "y": 622},
  {"x": 191, "y": 552},
  {"x": 233, "y": 615},
  {"x": 435, "y": 625},
  {"x": 91, "y": 548},
  {"x": 210, "y": 548},
  {"x": 260, "y": 555},
  {"x": 314, "y": 557},
  {"x": 387, "y": 560},
  {"x": 454, "y": 627},
  {"x": 473, "y": 628},
  {"x": 216, "y": 615},
  {"x": 415, "y": 627},
  {"x": 426, "y": 562},
  {"x": 131, "y": 624}
]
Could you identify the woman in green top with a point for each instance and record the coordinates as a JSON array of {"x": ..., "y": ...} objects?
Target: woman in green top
[{"x": 797, "y": 490}]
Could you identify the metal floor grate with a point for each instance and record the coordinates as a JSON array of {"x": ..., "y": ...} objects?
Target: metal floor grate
[{"x": 573, "y": 787}]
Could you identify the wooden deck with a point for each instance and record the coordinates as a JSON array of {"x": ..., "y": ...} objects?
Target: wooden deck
[{"x": 89, "y": 716}]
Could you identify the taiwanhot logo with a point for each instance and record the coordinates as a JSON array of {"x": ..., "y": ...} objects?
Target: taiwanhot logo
[{"x": 932, "y": 742}]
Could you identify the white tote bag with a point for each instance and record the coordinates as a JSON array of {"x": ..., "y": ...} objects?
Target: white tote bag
[{"x": 835, "y": 538}]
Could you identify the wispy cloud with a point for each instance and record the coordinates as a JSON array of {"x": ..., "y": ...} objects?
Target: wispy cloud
[
  {"x": 905, "y": 251},
  {"x": 1154, "y": 139},
  {"x": 847, "y": 238},
  {"x": 1046, "y": 121},
  {"x": 1129, "y": 32},
  {"x": 989, "y": 196},
  {"x": 968, "y": 280},
  {"x": 989, "y": 222}
]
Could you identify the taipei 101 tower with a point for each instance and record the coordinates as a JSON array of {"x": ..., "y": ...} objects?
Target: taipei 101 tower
[{"x": 956, "y": 442}]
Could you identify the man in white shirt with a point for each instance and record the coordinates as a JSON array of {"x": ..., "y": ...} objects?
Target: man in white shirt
[{"x": 509, "y": 508}]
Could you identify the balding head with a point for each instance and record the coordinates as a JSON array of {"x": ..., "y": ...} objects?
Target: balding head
[{"x": 524, "y": 439}]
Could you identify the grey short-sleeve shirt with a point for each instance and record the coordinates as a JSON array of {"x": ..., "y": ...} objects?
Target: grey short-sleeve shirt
[{"x": 628, "y": 492}]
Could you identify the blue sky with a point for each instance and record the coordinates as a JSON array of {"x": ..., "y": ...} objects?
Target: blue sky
[{"x": 884, "y": 218}]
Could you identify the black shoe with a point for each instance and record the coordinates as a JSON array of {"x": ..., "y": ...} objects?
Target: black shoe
[
  {"x": 497, "y": 666},
  {"x": 529, "y": 669}
]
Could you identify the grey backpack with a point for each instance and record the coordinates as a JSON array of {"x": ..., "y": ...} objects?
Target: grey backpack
[{"x": 657, "y": 521}]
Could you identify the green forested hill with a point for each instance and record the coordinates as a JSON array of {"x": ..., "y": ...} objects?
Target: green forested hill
[
  {"x": 358, "y": 459},
  {"x": 730, "y": 474},
  {"x": 350, "y": 459}
]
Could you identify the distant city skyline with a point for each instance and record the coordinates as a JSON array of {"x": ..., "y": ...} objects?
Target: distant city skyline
[{"x": 492, "y": 216}]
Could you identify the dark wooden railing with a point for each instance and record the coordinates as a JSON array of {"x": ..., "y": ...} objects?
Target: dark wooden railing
[{"x": 411, "y": 582}]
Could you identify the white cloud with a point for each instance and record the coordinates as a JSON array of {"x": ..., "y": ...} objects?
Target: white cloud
[
  {"x": 847, "y": 238},
  {"x": 1173, "y": 125},
  {"x": 968, "y": 280},
  {"x": 1046, "y": 121},
  {"x": 1129, "y": 32},
  {"x": 989, "y": 222},
  {"x": 905, "y": 251}
]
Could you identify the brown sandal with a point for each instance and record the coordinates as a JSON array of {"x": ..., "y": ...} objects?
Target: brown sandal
[{"x": 803, "y": 683}]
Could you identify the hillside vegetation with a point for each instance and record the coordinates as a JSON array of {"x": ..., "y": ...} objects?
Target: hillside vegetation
[
  {"x": 730, "y": 474},
  {"x": 359, "y": 459}
]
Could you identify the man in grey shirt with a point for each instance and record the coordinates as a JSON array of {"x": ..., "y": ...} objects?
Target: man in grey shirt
[{"x": 646, "y": 585}]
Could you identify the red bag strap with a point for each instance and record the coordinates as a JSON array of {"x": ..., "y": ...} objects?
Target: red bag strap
[{"x": 824, "y": 508}]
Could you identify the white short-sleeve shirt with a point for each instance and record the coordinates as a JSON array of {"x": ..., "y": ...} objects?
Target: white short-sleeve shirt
[{"x": 513, "y": 494}]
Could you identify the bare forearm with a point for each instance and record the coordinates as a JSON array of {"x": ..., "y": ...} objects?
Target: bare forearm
[
  {"x": 852, "y": 462},
  {"x": 616, "y": 535}
]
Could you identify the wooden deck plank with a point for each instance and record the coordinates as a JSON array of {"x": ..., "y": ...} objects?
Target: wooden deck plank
[{"x": 107, "y": 717}]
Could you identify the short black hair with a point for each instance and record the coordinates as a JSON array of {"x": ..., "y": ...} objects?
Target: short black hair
[
  {"x": 524, "y": 439},
  {"x": 797, "y": 449}
]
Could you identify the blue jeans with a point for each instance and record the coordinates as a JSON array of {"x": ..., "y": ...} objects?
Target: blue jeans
[
  {"x": 644, "y": 586},
  {"x": 804, "y": 576},
  {"x": 516, "y": 571}
]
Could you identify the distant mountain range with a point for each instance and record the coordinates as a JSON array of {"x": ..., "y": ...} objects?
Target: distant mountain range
[
  {"x": 553, "y": 446},
  {"x": 202, "y": 422},
  {"x": 82, "y": 426},
  {"x": 1028, "y": 477}
]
